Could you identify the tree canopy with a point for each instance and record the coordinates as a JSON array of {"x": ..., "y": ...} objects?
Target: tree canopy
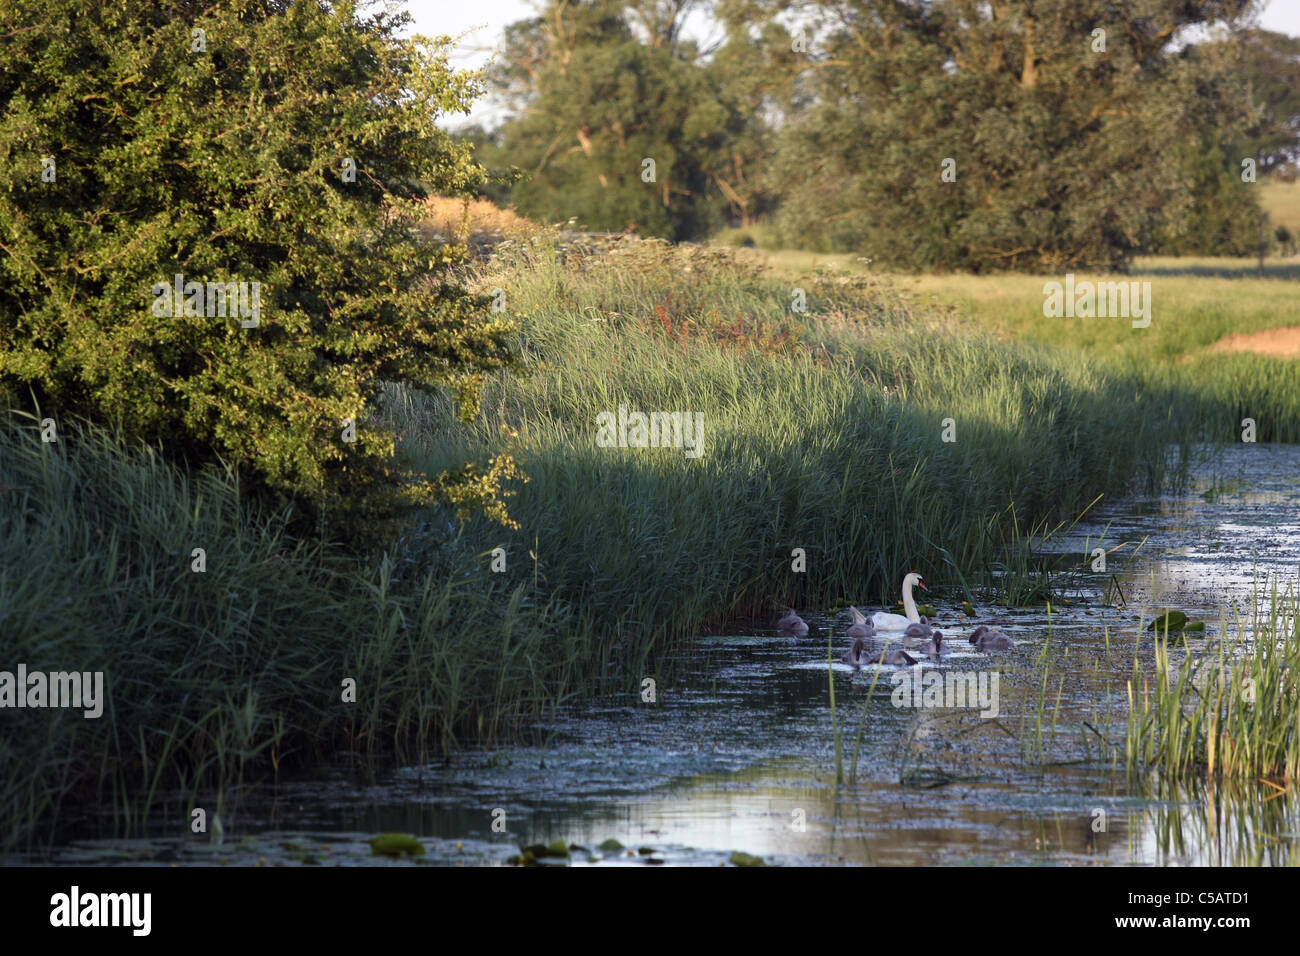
[
  {"x": 961, "y": 134},
  {"x": 165, "y": 160}
]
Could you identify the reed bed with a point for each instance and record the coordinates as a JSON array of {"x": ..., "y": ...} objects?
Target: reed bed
[
  {"x": 235, "y": 673},
  {"x": 823, "y": 432},
  {"x": 1230, "y": 709}
]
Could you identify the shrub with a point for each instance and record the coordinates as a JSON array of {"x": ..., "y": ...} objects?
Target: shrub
[{"x": 275, "y": 150}]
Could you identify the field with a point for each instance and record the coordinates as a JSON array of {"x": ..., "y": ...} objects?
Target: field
[{"x": 1197, "y": 301}]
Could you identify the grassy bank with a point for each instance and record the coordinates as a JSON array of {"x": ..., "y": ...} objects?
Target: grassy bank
[
  {"x": 231, "y": 674},
  {"x": 823, "y": 431},
  {"x": 1196, "y": 303}
]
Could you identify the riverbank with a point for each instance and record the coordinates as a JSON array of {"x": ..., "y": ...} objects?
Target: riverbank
[{"x": 840, "y": 446}]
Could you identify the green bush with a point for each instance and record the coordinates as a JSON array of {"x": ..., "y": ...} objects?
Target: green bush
[{"x": 142, "y": 141}]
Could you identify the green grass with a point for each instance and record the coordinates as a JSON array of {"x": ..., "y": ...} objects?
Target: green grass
[
  {"x": 1195, "y": 303},
  {"x": 1282, "y": 203},
  {"x": 1231, "y": 710},
  {"x": 223, "y": 677}
]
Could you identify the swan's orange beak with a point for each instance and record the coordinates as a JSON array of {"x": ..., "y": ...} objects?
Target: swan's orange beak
[{"x": 922, "y": 584}]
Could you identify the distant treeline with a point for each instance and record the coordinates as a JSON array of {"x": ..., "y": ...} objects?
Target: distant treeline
[{"x": 1021, "y": 134}]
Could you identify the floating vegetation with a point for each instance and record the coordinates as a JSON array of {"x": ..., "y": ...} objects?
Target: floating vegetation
[
  {"x": 541, "y": 854},
  {"x": 1169, "y": 620},
  {"x": 396, "y": 844}
]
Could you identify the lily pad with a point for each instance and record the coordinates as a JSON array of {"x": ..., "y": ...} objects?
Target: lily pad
[
  {"x": 540, "y": 854},
  {"x": 744, "y": 859},
  {"x": 1194, "y": 626},
  {"x": 645, "y": 850},
  {"x": 1174, "y": 620},
  {"x": 396, "y": 844},
  {"x": 539, "y": 851},
  {"x": 610, "y": 846},
  {"x": 929, "y": 610}
]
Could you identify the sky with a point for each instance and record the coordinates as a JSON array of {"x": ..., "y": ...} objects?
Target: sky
[{"x": 487, "y": 18}]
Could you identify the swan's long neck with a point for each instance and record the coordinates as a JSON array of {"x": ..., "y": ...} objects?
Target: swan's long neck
[{"x": 909, "y": 605}]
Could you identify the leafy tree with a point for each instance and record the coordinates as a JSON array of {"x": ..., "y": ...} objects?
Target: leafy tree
[
  {"x": 1220, "y": 213},
  {"x": 600, "y": 87},
  {"x": 216, "y": 141},
  {"x": 1064, "y": 155},
  {"x": 1271, "y": 75}
]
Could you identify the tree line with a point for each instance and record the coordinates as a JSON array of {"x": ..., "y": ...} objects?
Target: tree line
[{"x": 963, "y": 134}]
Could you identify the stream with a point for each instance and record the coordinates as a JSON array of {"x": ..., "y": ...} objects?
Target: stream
[{"x": 737, "y": 752}]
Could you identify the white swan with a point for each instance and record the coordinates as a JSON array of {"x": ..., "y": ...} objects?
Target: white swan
[{"x": 884, "y": 621}]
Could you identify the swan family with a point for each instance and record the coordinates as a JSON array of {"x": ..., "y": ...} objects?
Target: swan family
[{"x": 912, "y": 625}]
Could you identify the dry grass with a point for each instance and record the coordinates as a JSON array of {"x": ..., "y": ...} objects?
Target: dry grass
[{"x": 476, "y": 220}]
